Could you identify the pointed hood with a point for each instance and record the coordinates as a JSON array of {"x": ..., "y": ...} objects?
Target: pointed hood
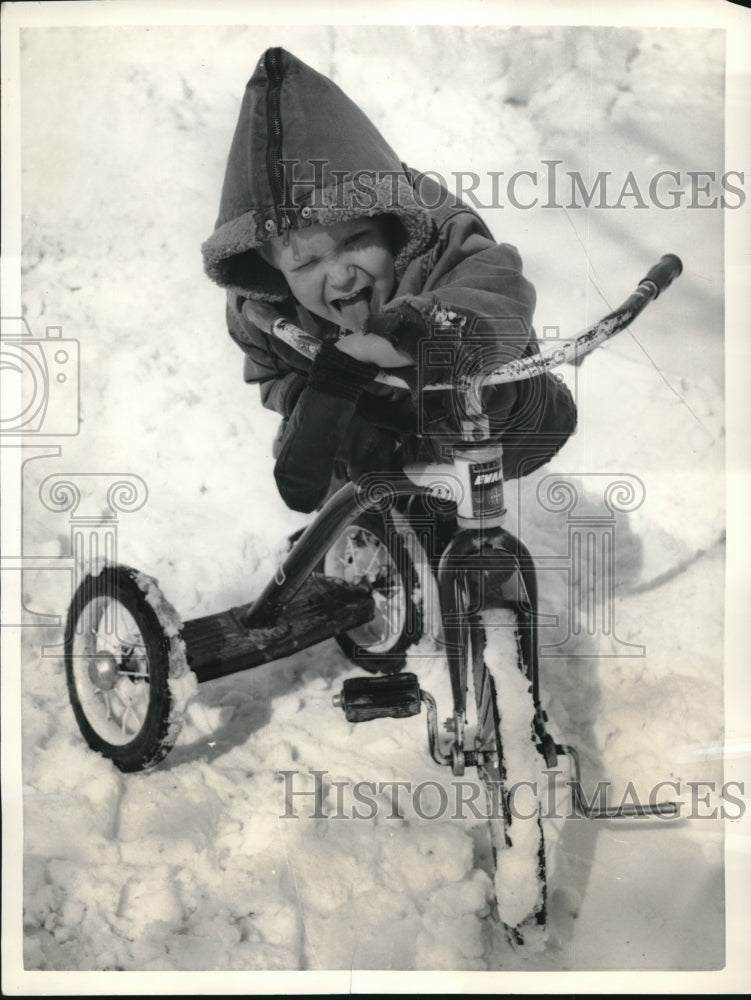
[{"x": 303, "y": 153}]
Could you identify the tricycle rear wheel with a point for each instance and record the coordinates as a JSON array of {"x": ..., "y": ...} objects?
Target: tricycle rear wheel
[
  {"x": 372, "y": 553},
  {"x": 117, "y": 666}
]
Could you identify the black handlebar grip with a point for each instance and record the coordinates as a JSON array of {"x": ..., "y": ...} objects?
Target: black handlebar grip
[{"x": 663, "y": 273}]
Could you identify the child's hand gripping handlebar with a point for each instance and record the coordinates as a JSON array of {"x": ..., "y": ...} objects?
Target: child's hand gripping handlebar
[{"x": 657, "y": 279}]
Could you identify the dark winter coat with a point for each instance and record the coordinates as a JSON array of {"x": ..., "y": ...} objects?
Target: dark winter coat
[{"x": 304, "y": 153}]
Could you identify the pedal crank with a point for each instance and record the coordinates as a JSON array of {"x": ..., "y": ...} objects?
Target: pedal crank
[
  {"x": 624, "y": 811},
  {"x": 455, "y": 757}
]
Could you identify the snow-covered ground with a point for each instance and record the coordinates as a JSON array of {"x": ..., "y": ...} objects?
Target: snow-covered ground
[{"x": 191, "y": 867}]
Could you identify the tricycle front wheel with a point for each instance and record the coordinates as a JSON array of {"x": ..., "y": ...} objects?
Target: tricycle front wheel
[{"x": 509, "y": 768}]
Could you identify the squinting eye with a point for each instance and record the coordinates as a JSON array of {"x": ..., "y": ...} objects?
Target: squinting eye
[{"x": 357, "y": 238}]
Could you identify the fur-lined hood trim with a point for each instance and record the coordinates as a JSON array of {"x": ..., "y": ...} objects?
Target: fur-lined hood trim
[{"x": 304, "y": 153}]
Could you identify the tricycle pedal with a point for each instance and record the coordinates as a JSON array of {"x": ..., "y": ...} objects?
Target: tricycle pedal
[{"x": 390, "y": 696}]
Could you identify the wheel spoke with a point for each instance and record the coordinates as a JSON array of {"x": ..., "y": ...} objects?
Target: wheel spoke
[
  {"x": 392, "y": 614},
  {"x": 122, "y": 700},
  {"x": 106, "y": 701},
  {"x": 361, "y": 557},
  {"x": 375, "y": 556},
  {"x": 128, "y": 710},
  {"x": 111, "y": 630}
]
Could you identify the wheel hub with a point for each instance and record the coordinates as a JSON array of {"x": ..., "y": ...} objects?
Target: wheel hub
[{"x": 103, "y": 671}]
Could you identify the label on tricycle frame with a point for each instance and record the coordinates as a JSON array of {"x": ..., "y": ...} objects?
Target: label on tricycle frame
[{"x": 483, "y": 487}]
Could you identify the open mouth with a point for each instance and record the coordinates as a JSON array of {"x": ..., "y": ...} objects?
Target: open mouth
[
  {"x": 354, "y": 308},
  {"x": 362, "y": 295}
]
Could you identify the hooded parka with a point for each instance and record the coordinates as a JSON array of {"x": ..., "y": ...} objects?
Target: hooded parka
[{"x": 304, "y": 153}]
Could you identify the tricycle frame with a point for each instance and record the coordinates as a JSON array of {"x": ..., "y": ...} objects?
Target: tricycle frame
[{"x": 479, "y": 566}]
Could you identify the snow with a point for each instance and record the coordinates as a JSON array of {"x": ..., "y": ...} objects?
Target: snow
[
  {"x": 192, "y": 866},
  {"x": 517, "y": 888},
  {"x": 183, "y": 684}
]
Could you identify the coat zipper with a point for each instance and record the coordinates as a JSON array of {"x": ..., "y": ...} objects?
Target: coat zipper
[{"x": 274, "y": 169}]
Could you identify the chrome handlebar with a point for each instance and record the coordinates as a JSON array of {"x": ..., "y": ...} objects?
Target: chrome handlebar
[{"x": 657, "y": 279}]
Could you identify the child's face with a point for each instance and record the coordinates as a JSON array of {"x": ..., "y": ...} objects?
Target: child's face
[{"x": 341, "y": 272}]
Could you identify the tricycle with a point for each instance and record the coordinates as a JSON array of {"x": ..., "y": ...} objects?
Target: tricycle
[{"x": 349, "y": 575}]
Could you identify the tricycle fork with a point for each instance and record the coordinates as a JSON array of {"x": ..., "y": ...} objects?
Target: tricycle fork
[{"x": 482, "y": 569}]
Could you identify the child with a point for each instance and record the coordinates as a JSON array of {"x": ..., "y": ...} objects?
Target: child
[{"x": 320, "y": 221}]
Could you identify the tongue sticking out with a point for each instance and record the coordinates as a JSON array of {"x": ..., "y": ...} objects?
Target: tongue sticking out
[{"x": 354, "y": 311}]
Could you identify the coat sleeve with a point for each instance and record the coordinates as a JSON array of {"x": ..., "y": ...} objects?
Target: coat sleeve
[
  {"x": 317, "y": 407},
  {"x": 311, "y": 441},
  {"x": 318, "y": 426},
  {"x": 280, "y": 386},
  {"x": 469, "y": 273}
]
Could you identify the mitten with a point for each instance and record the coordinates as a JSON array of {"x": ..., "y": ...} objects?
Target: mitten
[
  {"x": 403, "y": 327},
  {"x": 337, "y": 374}
]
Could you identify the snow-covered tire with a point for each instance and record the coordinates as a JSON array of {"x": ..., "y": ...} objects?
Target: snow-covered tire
[
  {"x": 117, "y": 665},
  {"x": 371, "y": 552},
  {"x": 509, "y": 768}
]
